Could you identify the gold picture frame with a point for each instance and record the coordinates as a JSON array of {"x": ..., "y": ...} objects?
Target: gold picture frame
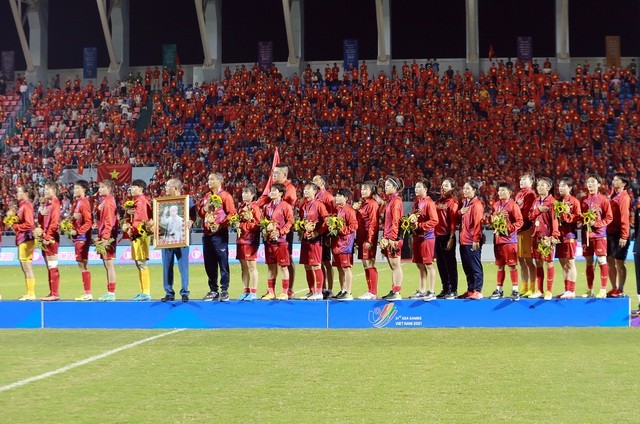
[{"x": 171, "y": 215}]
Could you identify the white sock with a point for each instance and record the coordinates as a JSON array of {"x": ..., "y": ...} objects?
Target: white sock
[{"x": 515, "y": 288}]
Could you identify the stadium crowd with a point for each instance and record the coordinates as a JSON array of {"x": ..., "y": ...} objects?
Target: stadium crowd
[{"x": 417, "y": 124}]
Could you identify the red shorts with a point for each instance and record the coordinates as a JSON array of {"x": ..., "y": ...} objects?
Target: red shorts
[
  {"x": 50, "y": 249},
  {"x": 311, "y": 253},
  {"x": 566, "y": 249},
  {"x": 246, "y": 252},
  {"x": 277, "y": 254},
  {"x": 395, "y": 253},
  {"x": 82, "y": 250},
  {"x": 596, "y": 247},
  {"x": 536, "y": 255},
  {"x": 506, "y": 254},
  {"x": 111, "y": 252},
  {"x": 423, "y": 250},
  {"x": 343, "y": 260},
  {"x": 367, "y": 253}
]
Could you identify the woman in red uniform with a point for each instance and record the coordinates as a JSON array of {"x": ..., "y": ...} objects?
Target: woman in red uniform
[
  {"x": 391, "y": 242},
  {"x": 472, "y": 213},
  {"x": 48, "y": 232},
  {"x": 24, "y": 238},
  {"x": 248, "y": 242},
  {"x": 447, "y": 207},
  {"x": 367, "y": 211},
  {"x": 314, "y": 211},
  {"x": 82, "y": 222},
  {"x": 424, "y": 241},
  {"x": 107, "y": 234}
]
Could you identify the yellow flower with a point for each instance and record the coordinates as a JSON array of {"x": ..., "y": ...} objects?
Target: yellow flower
[
  {"x": 215, "y": 201},
  {"x": 499, "y": 224},
  {"x": 129, "y": 204},
  {"x": 335, "y": 224}
]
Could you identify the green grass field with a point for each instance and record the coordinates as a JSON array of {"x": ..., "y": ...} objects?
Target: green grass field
[{"x": 566, "y": 375}]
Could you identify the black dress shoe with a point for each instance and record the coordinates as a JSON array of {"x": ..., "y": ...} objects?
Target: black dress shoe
[
  {"x": 167, "y": 298},
  {"x": 185, "y": 298}
]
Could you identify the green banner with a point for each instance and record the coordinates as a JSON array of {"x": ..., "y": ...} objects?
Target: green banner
[{"x": 169, "y": 52}]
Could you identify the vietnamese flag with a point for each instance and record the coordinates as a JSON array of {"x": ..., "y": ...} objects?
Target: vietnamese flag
[
  {"x": 276, "y": 161},
  {"x": 120, "y": 174},
  {"x": 492, "y": 53}
]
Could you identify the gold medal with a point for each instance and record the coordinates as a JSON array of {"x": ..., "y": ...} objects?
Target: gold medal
[{"x": 537, "y": 223}]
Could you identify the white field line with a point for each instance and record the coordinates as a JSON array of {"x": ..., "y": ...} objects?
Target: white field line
[{"x": 84, "y": 361}]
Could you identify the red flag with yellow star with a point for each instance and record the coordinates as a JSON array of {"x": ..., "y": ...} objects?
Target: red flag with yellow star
[{"x": 120, "y": 174}]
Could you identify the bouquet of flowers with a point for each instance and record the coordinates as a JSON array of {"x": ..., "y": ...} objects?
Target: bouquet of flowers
[
  {"x": 545, "y": 244},
  {"x": 560, "y": 208},
  {"x": 145, "y": 228},
  {"x": 409, "y": 223},
  {"x": 66, "y": 226},
  {"x": 335, "y": 224},
  {"x": 245, "y": 214},
  {"x": 299, "y": 226},
  {"x": 269, "y": 230},
  {"x": 499, "y": 224},
  {"x": 389, "y": 245},
  {"x": 102, "y": 245},
  {"x": 38, "y": 234},
  {"x": 588, "y": 218},
  {"x": 10, "y": 219},
  {"x": 234, "y": 223},
  {"x": 129, "y": 204},
  {"x": 215, "y": 201}
]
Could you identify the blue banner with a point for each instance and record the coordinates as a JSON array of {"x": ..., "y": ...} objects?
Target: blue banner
[
  {"x": 350, "y": 54},
  {"x": 525, "y": 48},
  {"x": 90, "y": 63},
  {"x": 265, "y": 54},
  {"x": 403, "y": 314}
]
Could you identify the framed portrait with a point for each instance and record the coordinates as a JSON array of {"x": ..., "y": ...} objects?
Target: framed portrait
[{"x": 171, "y": 215}]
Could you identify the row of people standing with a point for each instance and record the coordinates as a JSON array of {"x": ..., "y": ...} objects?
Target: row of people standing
[{"x": 528, "y": 228}]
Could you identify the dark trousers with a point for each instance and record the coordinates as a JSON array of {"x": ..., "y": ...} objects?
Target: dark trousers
[
  {"x": 215, "y": 249},
  {"x": 472, "y": 267},
  {"x": 168, "y": 259},
  {"x": 447, "y": 264}
]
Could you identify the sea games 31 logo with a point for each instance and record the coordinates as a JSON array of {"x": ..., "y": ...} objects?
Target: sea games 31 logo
[
  {"x": 382, "y": 317},
  {"x": 388, "y": 315}
]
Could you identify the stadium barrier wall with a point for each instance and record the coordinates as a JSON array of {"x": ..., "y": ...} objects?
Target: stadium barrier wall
[{"x": 317, "y": 314}]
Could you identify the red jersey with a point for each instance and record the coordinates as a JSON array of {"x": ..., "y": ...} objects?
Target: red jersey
[
  {"x": 621, "y": 210},
  {"x": 524, "y": 200},
  {"x": 250, "y": 230},
  {"x": 428, "y": 218},
  {"x": 346, "y": 237},
  {"x": 290, "y": 196},
  {"x": 392, "y": 216},
  {"x": 514, "y": 218},
  {"x": 368, "y": 225},
  {"x": 221, "y": 212},
  {"x": 545, "y": 224},
  {"x": 26, "y": 223},
  {"x": 49, "y": 220},
  {"x": 142, "y": 213},
  {"x": 328, "y": 200},
  {"x": 601, "y": 206},
  {"x": 314, "y": 211},
  {"x": 471, "y": 222},
  {"x": 107, "y": 218},
  {"x": 83, "y": 223},
  {"x": 568, "y": 221},
  {"x": 282, "y": 214},
  {"x": 447, "y": 208}
]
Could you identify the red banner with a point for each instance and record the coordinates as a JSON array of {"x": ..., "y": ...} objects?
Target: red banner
[{"x": 120, "y": 174}]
